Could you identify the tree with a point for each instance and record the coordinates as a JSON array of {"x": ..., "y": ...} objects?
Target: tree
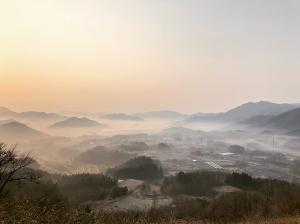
[
  {"x": 119, "y": 192},
  {"x": 242, "y": 180},
  {"x": 13, "y": 167}
]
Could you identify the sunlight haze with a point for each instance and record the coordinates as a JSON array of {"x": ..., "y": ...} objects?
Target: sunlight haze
[{"x": 137, "y": 55}]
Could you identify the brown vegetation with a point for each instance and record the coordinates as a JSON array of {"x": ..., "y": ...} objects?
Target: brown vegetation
[{"x": 65, "y": 199}]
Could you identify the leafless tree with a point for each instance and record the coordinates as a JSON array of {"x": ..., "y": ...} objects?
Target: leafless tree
[{"x": 13, "y": 167}]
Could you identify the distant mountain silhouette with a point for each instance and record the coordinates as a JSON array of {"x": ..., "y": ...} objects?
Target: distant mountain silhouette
[
  {"x": 124, "y": 117},
  {"x": 5, "y": 112},
  {"x": 16, "y": 131},
  {"x": 286, "y": 123},
  {"x": 29, "y": 115},
  {"x": 75, "y": 122},
  {"x": 256, "y": 121},
  {"x": 244, "y": 112},
  {"x": 164, "y": 115},
  {"x": 289, "y": 121},
  {"x": 261, "y": 108},
  {"x": 40, "y": 115}
]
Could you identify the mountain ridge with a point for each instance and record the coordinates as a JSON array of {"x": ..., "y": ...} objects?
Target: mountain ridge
[
  {"x": 74, "y": 122},
  {"x": 121, "y": 116},
  {"x": 244, "y": 112},
  {"x": 12, "y": 130}
]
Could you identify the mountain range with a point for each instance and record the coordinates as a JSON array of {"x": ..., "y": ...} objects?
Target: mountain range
[
  {"x": 286, "y": 123},
  {"x": 263, "y": 115},
  {"x": 244, "y": 112},
  {"x": 40, "y": 115},
  {"x": 30, "y": 115}
]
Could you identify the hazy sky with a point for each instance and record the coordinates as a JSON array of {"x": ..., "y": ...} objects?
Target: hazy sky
[{"x": 135, "y": 55}]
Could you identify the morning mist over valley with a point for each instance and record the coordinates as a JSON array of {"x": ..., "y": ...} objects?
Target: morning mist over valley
[{"x": 139, "y": 111}]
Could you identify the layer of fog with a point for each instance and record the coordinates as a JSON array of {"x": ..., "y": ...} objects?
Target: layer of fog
[{"x": 175, "y": 143}]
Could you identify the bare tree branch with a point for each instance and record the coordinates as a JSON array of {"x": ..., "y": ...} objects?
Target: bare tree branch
[{"x": 11, "y": 166}]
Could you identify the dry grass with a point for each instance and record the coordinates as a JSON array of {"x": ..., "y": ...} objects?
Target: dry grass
[{"x": 289, "y": 220}]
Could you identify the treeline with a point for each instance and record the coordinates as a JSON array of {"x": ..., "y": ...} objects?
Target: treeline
[
  {"x": 56, "y": 197},
  {"x": 59, "y": 201},
  {"x": 260, "y": 198},
  {"x": 194, "y": 184},
  {"x": 141, "y": 168},
  {"x": 274, "y": 199},
  {"x": 81, "y": 188}
]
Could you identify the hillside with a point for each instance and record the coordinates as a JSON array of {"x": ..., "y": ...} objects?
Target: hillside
[
  {"x": 124, "y": 117},
  {"x": 7, "y": 113},
  {"x": 141, "y": 168},
  {"x": 75, "y": 122},
  {"x": 16, "y": 131},
  {"x": 254, "y": 109},
  {"x": 163, "y": 115},
  {"x": 40, "y": 115},
  {"x": 102, "y": 156},
  {"x": 245, "y": 112},
  {"x": 289, "y": 121},
  {"x": 256, "y": 121}
]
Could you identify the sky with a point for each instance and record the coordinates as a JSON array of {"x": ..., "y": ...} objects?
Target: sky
[{"x": 139, "y": 55}]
